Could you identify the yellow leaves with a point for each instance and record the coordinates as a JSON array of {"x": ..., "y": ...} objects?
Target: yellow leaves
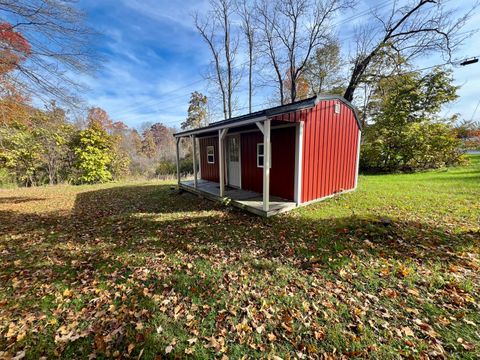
[
  {"x": 130, "y": 348},
  {"x": 53, "y": 322},
  {"x": 319, "y": 334},
  {"x": 385, "y": 272},
  {"x": 243, "y": 326},
  {"x": 67, "y": 293},
  {"x": 403, "y": 271},
  {"x": 413, "y": 292},
  {"x": 12, "y": 330},
  {"x": 271, "y": 337}
]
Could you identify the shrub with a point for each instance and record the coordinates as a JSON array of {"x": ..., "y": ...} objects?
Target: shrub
[
  {"x": 166, "y": 168},
  {"x": 418, "y": 146}
]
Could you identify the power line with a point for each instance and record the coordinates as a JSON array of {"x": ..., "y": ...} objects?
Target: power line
[
  {"x": 155, "y": 102},
  {"x": 475, "y": 111}
]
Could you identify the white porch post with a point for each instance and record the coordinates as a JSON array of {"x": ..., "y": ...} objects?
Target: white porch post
[
  {"x": 358, "y": 157},
  {"x": 298, "y": 162},
  {"x": 178, "y": 159},
  {"x": 194, "y": 141},
  {"x": 266, "y": 165},
  {"x": 221, "y": 161}
]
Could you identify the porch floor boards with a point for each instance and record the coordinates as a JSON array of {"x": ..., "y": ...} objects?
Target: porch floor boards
[{"x": 244, "y": 199}]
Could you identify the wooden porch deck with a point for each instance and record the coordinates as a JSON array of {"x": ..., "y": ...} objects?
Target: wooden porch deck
[{"x": 243, "y": 199}]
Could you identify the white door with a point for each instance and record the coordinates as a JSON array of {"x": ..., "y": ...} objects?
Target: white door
[{"x": 234, "y": 170}]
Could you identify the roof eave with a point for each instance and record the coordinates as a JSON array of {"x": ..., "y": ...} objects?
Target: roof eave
[{"x": 219, "y": 127}]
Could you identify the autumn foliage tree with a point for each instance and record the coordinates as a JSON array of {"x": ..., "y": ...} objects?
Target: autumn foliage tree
[
  {"x": 93, "y": 152},
  {"x": 197, "y": 112},
  {"x": 14, "y": 48}
]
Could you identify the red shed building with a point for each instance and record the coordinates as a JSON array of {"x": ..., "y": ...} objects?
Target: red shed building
[{"x": 274, "y": 160}]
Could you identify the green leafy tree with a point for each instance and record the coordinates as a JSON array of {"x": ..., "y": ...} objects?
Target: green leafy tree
[
  {"x": 407, "y": 134},
  {"x": 93, "y": 150},
  {"x": 20, "y": 153},
  {"x": 322, "y": 72},
  {"x": 54, "y": 134},
  {"x": 197, "y": 112}
]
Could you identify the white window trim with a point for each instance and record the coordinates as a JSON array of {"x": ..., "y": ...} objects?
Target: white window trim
[
  {"x": 263, "y": 155},
  {"x": 212, "y": 154}
]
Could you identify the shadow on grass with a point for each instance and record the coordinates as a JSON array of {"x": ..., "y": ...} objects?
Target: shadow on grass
[
  {"x": 18, "y": 200},
  {"x": 130, "y": 219},
  {"x": 109, "y": 230}
]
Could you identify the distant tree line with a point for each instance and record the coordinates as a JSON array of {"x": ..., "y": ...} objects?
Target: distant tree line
[
  {"x": 42, "y": 146},
  {"x": 51, "y": 144}
]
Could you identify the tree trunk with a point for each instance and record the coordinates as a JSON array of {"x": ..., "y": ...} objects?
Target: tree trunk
[{"x": 250, "y": 66}]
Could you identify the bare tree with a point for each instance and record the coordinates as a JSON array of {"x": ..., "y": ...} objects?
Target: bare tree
[
  {"x": 60, "y": 45},
  {"x": 248, "y": 28},
  {"x": 291, "y": 31},
  {"x": 216, "y": 30},
  {"x": 420, "y": 28}
]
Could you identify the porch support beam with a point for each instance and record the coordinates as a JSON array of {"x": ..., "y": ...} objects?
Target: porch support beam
[
  {"x": 298, "y": 162},
  {"x": 266, "y": 165},
  {"x": 260, "y": 126},
  {"x": 221, "y": 162},
  {"x": 195, "y": 176},
  {"x": 358, "y": 157},
  {"x": 177, "y": 145}
]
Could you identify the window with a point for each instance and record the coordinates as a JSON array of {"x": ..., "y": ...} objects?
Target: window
[
  {"x": 233, "y": 149},
  {"x": 210, "y": 155},
  {"x": 337, "y": 108},
  {"x": 260, "y": 155}
]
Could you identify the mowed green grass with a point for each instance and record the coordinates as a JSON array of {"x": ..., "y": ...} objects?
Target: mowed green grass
[{"x": 136, "y": 270}]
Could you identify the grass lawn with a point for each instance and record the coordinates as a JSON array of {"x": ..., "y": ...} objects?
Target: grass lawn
[{"x": 137, "y": 270}]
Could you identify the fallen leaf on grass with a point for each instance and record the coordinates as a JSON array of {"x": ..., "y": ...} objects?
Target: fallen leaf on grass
[
  {"x": 466, "y": 345},
  {"x": 407, "y": 331}
]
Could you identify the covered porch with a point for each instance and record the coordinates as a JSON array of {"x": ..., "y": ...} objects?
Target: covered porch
[
  {"x": 243, "y": 199},
  {"x": 226, "y": 165}
]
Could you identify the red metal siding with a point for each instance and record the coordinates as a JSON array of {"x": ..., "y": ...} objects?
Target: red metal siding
[
  {"x": 208, "y": 171},
  {"x": 329, "y": 150},
  {"x": 252, "y": 176},
  {"x": 282, "y": 173}
]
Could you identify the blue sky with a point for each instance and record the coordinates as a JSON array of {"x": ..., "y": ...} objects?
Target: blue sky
[{"x": 153, "y": 59}]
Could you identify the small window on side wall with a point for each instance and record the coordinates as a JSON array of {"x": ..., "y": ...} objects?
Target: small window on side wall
[
  {"x": 210, "y": 155},
  {"x": 337, "y": 108},
  {"x": 261, "y": 156}
]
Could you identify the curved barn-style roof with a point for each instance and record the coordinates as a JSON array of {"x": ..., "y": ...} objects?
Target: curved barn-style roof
[{"x": 268, "y": 113}]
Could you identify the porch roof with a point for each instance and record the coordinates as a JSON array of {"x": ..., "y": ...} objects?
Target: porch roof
[{"x": 253, "y": 117}]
